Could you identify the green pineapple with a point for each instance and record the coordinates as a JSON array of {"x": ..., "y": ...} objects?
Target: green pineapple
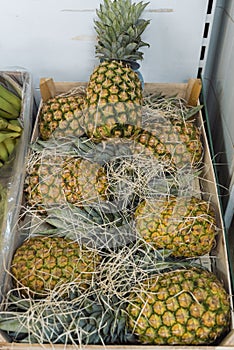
[
  {"x": 178, "y": 144},
  {"x": 171, "y": 122},
  {"x": 58, "y": 179},
  {"x": 186, "y": 226},
  {"x": 181, "y": 307},
  {"x": 42, "y": 263},
  {"x": 114, "y": 92},
  {"x": 61, "y": 116}
]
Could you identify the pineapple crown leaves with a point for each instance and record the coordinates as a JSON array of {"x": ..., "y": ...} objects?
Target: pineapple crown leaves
[
  {"x": 119, "y": 30},
  {"x": 84, "y": 147},
  {"x": 28, "y": 320},
  {"x": 104, "y": 321},
  {"x": 91, "y": 226},
  {"x": 103, "y": 214},
  {"x": 65, "y": 146},
  {"x": 78, "y": 319}
]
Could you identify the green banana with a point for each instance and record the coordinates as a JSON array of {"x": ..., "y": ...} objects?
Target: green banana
[
  {"x": 8, "y": 107},
  {"x": 7, "y": 134},
  {"x": 10, "y": 97},
  {"x": 15, "y": 122},
  {"x": 6, "y": 115},
  {"x": 5, "y": 125},
  {"x": 14, "y": 85},
  {"x": 3, "y": 152},
  {"x": 10, "y": 145}
]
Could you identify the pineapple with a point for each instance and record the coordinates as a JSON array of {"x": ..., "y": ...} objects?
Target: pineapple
[
  {"x": 168, "y": 125},
  {"x": 186, "y": 226},
  {"x": 114, "y": 92},
  {"x": 137, "y": 297},
  {"x": 181, "y": 307},
  {"x": 113, "y": 105},
  {"x": 61, "y": 116},
  {"x": 57, "y": 179},
  {"x": 42, "y": 263},
  {"x": 179, "y": 143},
  {"x": 145, "y": 143}
]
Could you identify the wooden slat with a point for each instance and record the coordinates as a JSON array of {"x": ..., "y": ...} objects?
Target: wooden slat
[
  {"x": 229, "y": 340},
  {"x": 17, "y": 346},
  {"x": 47, "y": 88},
  {"x": 62, "y": 87},
  {"x": 193, "y": 91},
  {"x": 169, "y": 89}
]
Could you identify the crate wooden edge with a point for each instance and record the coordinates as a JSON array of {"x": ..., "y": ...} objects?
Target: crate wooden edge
[
  {"x": 17, "y": 346},
  {"x": 190, "y": 92}
]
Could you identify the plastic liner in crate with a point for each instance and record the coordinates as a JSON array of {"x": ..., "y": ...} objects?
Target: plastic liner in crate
[
  {"x": 12, "y": 170},
  {"x": 204, "y": 186}
]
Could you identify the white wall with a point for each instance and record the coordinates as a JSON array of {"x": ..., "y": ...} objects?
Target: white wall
[{"x": 56, "y": 38}]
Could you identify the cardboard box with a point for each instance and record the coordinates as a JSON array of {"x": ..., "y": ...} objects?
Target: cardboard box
[{"x": 219, "y": 264}]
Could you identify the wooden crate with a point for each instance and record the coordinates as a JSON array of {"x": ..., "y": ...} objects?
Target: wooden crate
[{"x": 220, "y": 265}]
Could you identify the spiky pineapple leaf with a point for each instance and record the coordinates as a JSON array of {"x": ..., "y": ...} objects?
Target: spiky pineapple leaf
[
  {"x": 10, "y": 323},
  {"x": 192, "y": 111},
  {"x": 118, "y": 22}
]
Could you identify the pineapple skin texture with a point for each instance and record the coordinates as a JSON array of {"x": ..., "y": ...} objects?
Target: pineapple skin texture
[
  {"x": 41, "y": 263},
  {"x": 187, "y": 306},
  {"x": 185, "y": 226},
  {"x": 113, "y": 101},
  {"x": 61, "y": 117},
  {"x": 60, "y": 179},
  {"x": 180, "y": 141}
]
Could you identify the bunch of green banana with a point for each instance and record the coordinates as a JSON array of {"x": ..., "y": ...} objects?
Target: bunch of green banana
[
  {"x": 10, "y": 104},
  {"x": 10, "y": 128}
]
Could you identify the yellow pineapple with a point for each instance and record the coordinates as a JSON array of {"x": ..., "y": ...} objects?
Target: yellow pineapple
[
  {"x": 114, "y": 91},
  {"x": 188, "y": 306},
  {"x": 186, "y": 226},
  {"x": 58, "y": 179},
  {"x": 61, "y": 116},
  {"x": 42, "y": 263}
]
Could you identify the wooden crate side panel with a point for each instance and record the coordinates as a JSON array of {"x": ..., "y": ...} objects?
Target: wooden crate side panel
[
  {"x": 17, "y": 346},
  {"x": 209, "y": 191},
  {"x": 190, "y": 91},
  {"x": 168, "y": 89}
]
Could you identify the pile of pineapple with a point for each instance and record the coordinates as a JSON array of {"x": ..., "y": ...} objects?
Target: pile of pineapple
[{"x": 118, "y": 231}]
